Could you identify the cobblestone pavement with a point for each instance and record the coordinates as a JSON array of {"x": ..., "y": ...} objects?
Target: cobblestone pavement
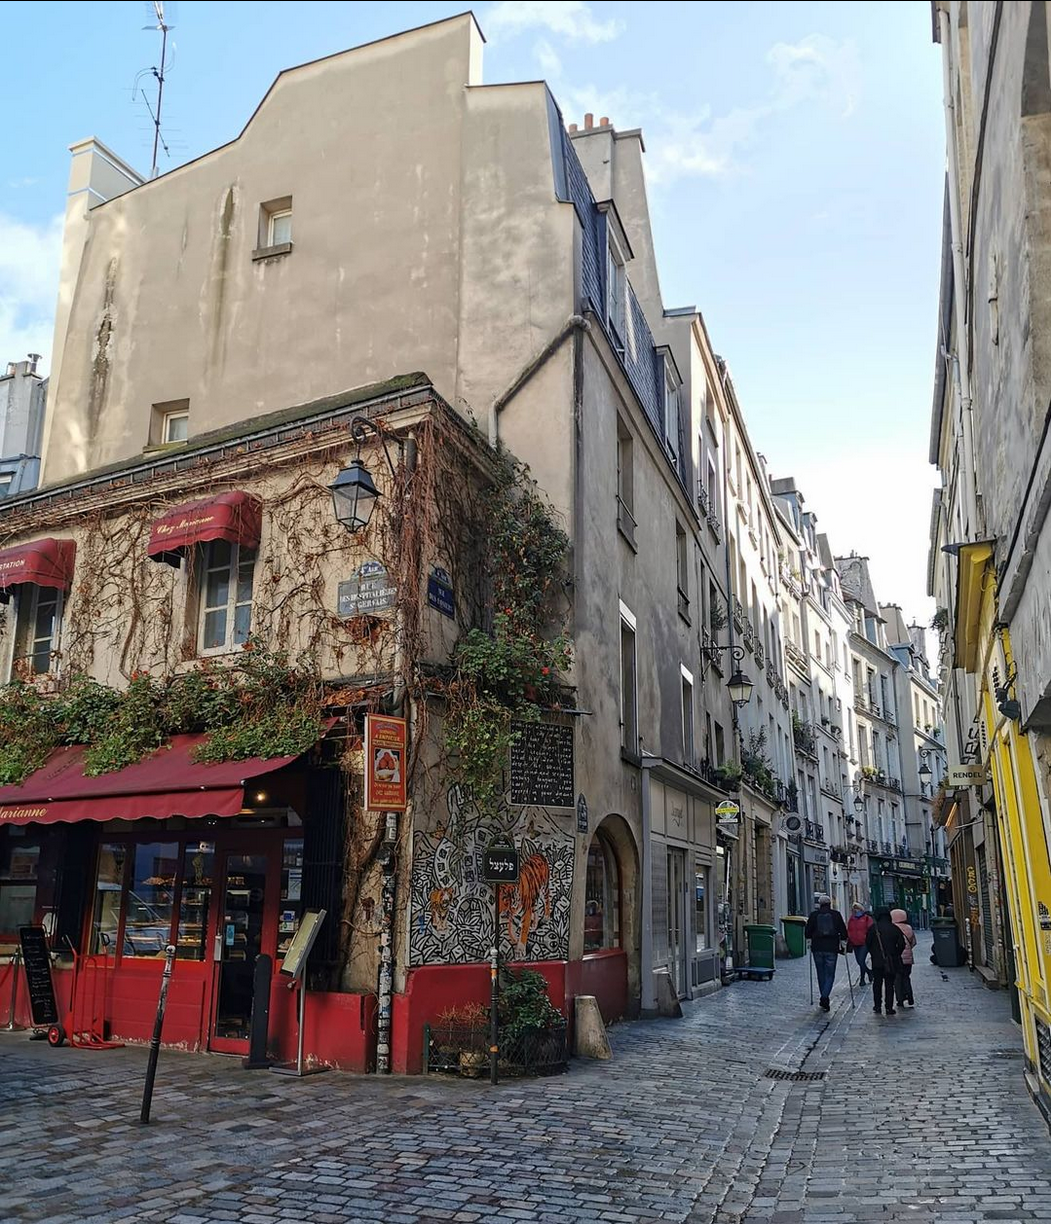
[{"x": 920, "y": 1117}]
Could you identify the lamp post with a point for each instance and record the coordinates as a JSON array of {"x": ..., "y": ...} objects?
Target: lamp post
[{"x": 354, "y": 492}]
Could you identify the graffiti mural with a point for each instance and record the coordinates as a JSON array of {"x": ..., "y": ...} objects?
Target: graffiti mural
[{"x": 451, "y": 913}]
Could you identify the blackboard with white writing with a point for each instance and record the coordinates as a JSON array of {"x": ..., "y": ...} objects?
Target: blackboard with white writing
[
  {"x": 542, "y": 765},
  {"x": 36, "y": 960}
]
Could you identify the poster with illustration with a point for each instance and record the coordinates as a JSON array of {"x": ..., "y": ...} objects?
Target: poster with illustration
[{"x": 385, "y": 742}]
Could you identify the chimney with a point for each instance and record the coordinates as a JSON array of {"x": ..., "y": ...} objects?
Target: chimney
[
  {"x": 572, "y": 128},
  {"x": 589, "y": 121},
  {"x": 32, "y": 362},
  {"x": 604, "y": 121}
]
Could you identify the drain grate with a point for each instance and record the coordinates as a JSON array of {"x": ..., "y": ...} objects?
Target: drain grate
[{"x": 779, "y": 1073}]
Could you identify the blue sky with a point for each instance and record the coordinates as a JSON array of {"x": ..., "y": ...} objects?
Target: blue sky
[{"x": 795, "y": 154}]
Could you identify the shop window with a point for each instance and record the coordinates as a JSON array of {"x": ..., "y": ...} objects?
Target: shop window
[
  {"x": 109, "y": 889},
  {"x": 291, "y": 894},
  {"x": 151, "y": 899},
  {"x": 702, "y": 922},
  {"x": 601, "y": 897},
  {"x": 19, "y": 864},
  {"x": 226, "y": 596},
  {"x": 37, "y": 622},
  {"x": 198, "y": 867}
]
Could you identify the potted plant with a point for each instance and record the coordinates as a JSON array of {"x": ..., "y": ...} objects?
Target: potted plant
[
  {"x": 459, "y": 1040},
  {"x": 532, "y": 1031},
  {"x": 729, "y": 775},
  {"x": 717, "y": 616}
]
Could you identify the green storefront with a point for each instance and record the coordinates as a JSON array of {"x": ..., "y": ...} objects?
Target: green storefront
[{"x": 901, "y": 883}]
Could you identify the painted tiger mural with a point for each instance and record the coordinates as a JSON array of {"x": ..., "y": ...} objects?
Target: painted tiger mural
[{"x": 534, "y": 882}]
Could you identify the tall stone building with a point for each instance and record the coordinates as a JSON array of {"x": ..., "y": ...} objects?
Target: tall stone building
[
  {"x": 990, "y": 538},
  {"x": 226, "y": 347}
]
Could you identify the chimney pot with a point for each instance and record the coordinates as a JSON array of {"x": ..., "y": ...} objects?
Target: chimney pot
[
  {"x": 604, "y": 121},
  {"x": 572, "y": 127},
  {"x": 589, "y": 121}
]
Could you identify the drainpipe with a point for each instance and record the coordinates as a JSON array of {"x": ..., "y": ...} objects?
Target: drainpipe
[
  {"x": 963, "y": 371},
  {"x": 648, "y": 1000},
  {"x": 573, "y": 323}
]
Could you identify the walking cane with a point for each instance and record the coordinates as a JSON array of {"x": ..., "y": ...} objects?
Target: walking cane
[
  {"x": 810, "y": 958},
  {"x": 849, "y": 982}
]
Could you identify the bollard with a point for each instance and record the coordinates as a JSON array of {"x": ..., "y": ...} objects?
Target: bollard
[
  {"x": 16, "y": 962},
  {"x": 261, "y": 975},
  {"x": 155, "y": 1043}
]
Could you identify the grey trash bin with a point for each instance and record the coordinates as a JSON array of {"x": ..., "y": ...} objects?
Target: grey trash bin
[{"x": 946, "y": 944}]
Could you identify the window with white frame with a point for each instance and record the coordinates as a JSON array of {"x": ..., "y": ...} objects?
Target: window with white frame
[
  {"x": 38, "y": 620},
  {"x": 176, "y": 426},
  {"x": 280, "y": 227},
  {"x": 687, "y": 716},
  {"x": 616, "y": 290},
  {"x": 225, "y": 595},
  {"x": 629, "y": 697},
  {"x": 671, "y": 411}
]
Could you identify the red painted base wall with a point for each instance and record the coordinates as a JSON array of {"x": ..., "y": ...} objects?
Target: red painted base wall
[
  {"x": 340, "y": 1028},
  {"x": 432, "y": 989}
]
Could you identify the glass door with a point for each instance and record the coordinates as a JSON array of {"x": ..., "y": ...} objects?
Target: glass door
[
  {"x": 244, "y": 931},
  {"x": 677, "y": 920}
]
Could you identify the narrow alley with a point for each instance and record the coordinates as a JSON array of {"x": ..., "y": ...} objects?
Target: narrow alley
[{"x": 923, "y": 1116}]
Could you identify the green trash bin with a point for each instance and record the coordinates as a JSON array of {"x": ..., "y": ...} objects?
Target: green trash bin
[
  {"x": 794, "y": 928},
  {"x": 760, "y": 940}
]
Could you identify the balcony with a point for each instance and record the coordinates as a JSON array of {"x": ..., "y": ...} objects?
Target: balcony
[
  {"x": 684, "y": 605},
  {"x": 749, "y": 635},
  {"x": 790, "y": 580},
  {"x": 713, "y": 654},
  {"x": 791, "y": 799},
  {"x": 833, "y": 791},
  {"x": 804, "y": 738},
  {"x": 760, "y": 655},
  {"x": 879, "y": 778},
  {"x": 814, "y": 831},
  {"x": 716, "y": 524},
  {"x": 796, "y": 656},
  {"x": 738, "y": 614},
  {"x": 886, "y": 847},
  {"x": 704, "y": 502},
  {"x": 873, "y": 846}
]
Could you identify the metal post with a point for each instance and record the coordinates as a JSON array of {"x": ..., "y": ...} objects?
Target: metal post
[
  {"x": 155, "y": 1043},
  {"x": 386, "y": 974},
  {"x": 16, "y": 964},
  {"x": 494, "y": 991}
]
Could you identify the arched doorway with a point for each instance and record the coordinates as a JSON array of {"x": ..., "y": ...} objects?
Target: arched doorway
[{"x": 610, "y": 964}]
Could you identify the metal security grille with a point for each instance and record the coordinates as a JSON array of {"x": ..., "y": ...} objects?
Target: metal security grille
[
  {"x": 1043, "y": 1045},
  {"x": 987, "y": 909},
  {"x": 779, "y": 1073}
]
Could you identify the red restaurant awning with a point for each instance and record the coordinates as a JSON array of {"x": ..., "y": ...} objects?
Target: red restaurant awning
[
  {"x": 230, "y": 516},
  {"x": 47, "y": 563},
  {"x": 167, "y": 783}
]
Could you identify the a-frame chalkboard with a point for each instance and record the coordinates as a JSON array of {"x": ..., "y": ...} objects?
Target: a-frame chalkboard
[{"x": 36, "y": 960}]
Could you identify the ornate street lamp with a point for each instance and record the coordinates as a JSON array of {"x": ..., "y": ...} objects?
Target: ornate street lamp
[
  {"x": 740, "y": 688},
  {"x": 354, "y": 492}
]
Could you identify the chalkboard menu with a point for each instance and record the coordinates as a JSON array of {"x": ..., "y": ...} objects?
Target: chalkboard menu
[
  {"x": 36, "y": 959},
  {"x": 542, "y": 765}
]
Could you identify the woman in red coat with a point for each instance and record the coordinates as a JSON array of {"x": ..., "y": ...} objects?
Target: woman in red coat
[{"x": 857, "y": 929}]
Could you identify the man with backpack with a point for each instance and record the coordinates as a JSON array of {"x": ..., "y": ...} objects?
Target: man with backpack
[{"x": 827, "y": 933}]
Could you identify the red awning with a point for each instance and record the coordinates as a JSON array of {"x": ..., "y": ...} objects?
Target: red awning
[
  {"x": 230, "y": 516},
  {"x": 47, "y": 563},
  {"x": 167, "y": 783}
]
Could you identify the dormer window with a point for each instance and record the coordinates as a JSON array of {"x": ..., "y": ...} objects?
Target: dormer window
[
  {"x": 616, "y": 291},
  {"x": 671, "y": 412}
]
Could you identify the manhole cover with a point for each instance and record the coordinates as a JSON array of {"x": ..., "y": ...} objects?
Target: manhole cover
[{"x": 778, "y": 1073}]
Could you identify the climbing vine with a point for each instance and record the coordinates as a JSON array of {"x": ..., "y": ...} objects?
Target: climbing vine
[
  {"x": 511, "y": 670},
  {"x": 260, "y": 705}
]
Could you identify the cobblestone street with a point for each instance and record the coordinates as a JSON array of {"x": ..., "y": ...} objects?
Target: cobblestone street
[{"x": 923, "y": 1116}]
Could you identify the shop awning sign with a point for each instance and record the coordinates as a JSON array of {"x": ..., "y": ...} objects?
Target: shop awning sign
[
  {"x": 961, "y": 776},
  {"x": 386, "y": 740},
  {"x": 727, "y": 810}
]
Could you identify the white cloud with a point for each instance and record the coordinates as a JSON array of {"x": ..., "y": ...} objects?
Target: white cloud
[
  {"x": 817, "y": 71},
  {"x": 29, "y": 267},
  {"x": 547, "y": 58},
  {"x": 570, "y": 19}
]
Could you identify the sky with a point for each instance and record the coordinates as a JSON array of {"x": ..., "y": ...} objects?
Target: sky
[{"x": 795, "y": 161}]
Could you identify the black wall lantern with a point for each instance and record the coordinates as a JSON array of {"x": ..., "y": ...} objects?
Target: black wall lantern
[{"x": 354, "y": 492}]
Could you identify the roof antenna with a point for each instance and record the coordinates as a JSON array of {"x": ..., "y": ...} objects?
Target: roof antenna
[{"x": 156, "y": 8}]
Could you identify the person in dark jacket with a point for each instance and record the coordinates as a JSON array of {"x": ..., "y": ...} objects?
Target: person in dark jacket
[
  {"x": 885, "y": 943},
  {"x": 827, "y": 933}
]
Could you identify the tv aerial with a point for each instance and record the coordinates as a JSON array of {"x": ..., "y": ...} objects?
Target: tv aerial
[{"x": 162, "y": 21}]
